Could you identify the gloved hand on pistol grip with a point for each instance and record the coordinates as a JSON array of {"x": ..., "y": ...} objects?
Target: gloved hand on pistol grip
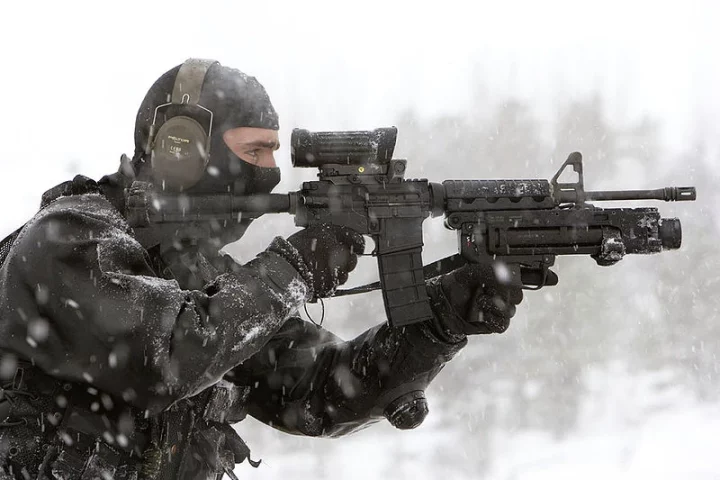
[
  {"x": 473, "y": 299},
  {"x": 323, "y": 254}
]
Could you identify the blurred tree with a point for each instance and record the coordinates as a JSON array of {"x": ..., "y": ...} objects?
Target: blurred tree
[{"x": 685, "y": 338}]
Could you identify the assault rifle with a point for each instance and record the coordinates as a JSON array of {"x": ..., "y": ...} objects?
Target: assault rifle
[{"x": 523, "y": 223}]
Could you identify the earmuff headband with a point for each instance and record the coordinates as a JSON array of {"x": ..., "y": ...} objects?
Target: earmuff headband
[{"x": 189, "y": 81}]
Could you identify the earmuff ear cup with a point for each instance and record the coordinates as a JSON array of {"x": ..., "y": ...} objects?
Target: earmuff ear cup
[{"x": 179, "y": 154}]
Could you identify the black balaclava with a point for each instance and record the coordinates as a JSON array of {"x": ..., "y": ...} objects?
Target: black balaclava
[{"x": 236, "y": 100}]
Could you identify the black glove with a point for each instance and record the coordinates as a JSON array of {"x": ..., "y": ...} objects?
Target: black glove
[
  {"x": 473, "y": 300},
  {"x": 323, "y": 254}
]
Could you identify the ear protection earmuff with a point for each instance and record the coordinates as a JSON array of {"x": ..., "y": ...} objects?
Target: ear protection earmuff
[{"x": 179, "y": 145}]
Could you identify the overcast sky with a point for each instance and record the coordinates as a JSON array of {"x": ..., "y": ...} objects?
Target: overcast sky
[{"x": 74, "y": 72}]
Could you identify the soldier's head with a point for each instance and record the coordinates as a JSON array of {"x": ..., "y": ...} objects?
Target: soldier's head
[
  {"x": 207, "y": 128},
  {"x": 204, "y": 127}
]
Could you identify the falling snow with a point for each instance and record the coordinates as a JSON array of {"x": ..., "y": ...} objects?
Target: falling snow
[{"x": 611, "y": 374}]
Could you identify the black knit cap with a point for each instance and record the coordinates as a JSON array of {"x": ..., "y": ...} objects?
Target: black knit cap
[{"x": 236, "y": 100}]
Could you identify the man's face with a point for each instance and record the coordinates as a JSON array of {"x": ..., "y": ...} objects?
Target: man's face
[{"x": 253, "y": 145}]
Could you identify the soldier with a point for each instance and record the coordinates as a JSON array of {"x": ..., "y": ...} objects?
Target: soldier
[{"x": 129, "y": 353}]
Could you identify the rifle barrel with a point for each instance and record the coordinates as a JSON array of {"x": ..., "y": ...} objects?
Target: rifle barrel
[{"x": 667, "y": 194}]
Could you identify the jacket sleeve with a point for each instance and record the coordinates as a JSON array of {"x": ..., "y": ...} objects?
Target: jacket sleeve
[
  {"x": 307, "y": 381},
  {"x": 79, "y": 298}
]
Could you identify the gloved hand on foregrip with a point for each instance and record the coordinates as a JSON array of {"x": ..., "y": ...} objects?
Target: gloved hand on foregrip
[
  {"x": 473, "y": 300},
  {"x": 323, "y": 254}
]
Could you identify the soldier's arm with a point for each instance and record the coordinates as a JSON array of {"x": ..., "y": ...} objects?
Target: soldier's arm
[
  {"x": 308, "y": 381},
  {"x": 81, "y": 301}
]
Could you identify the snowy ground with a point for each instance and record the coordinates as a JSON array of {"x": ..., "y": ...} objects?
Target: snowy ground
[
  {"x": 627, "y": 430},
  {"x": 674, "y": 444}
]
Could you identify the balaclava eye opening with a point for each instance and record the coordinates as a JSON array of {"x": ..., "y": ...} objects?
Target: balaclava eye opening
[{"x": 236, "y": 100}]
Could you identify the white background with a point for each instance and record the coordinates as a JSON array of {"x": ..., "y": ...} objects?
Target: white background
[{"x": 73, "y": 74}]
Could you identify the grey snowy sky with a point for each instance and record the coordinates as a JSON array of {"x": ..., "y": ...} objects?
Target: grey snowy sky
[{"x": 75, "y": 72}]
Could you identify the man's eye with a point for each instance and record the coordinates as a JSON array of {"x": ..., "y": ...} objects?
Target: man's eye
[{"x": 252, "y": 153}]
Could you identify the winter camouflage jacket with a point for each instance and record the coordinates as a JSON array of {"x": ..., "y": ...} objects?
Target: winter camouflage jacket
[{"x": 114, "y": 367}]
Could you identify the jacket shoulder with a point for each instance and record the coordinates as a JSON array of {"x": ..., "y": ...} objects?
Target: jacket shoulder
[
  {"x": 67, "y": 220},
  {"x": 93, "y": 205}
]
